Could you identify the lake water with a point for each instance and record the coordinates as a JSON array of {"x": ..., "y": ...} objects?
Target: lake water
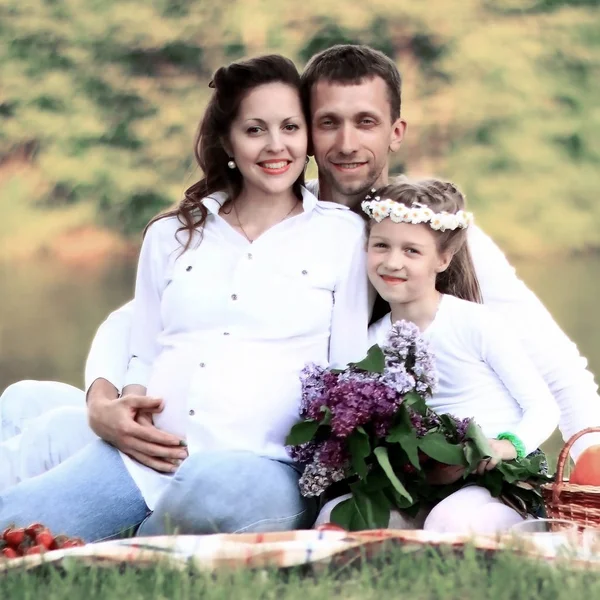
[{"x": 50, "y": 311}]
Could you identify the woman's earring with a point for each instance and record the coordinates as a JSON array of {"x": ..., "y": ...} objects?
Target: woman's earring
[{"x": 231, "y": 164}]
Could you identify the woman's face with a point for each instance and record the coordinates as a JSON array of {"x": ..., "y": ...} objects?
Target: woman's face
[{"x": 268, "y": 139}]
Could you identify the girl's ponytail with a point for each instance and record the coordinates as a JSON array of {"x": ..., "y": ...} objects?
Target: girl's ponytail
[{"x": 459, "y": 279}]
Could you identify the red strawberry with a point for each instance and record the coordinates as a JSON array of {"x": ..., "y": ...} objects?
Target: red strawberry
[
  {"x": 44, "y": 538},
  {"x": 35, "y": 550},
  {"x": 59, "y": 541},
  {"x": 72, "y": 543},
  {"x": 14, "y": 537},
  {"x": 9, "y": 553},
  {"x": 33, "y": 529}
]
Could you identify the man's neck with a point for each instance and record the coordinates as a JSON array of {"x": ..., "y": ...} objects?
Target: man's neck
[{"x": 329, "y": 194}]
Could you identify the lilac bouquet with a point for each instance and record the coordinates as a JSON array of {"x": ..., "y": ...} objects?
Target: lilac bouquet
[{"x": 368, "y": 428}]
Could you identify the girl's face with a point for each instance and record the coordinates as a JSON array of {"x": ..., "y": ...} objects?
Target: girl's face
[
  {"x": 268, "y": 139},
  {"x": 403, "y": 261}
]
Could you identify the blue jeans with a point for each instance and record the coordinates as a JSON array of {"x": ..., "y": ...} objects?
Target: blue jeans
[{"x": 91, "y": 495}]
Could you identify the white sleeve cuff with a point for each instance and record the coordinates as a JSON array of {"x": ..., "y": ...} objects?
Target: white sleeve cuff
[{"x": 138, "y": 372}]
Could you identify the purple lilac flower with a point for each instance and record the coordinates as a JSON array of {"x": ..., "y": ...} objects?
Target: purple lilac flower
[
  {"x": 317, "y": 478},
  {"x": 350, "y": 406},
  {"x": 401, "y": 337},
  {"x": 423, "y": 424},
  {"x": 303, "y": 453},
  {"x": 333, "y": 453},
  {"x": 397, "y": 377},
  {"x": 356, "y": 398},
  {"x": 461, "y": 427},
  {"x": 405, "y": 346},
  {"x": 313, "y": 385},
  {"x": 381, "y": 427}
]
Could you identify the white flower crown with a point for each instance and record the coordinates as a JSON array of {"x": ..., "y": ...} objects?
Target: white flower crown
[{"x": 378, "y": 210}]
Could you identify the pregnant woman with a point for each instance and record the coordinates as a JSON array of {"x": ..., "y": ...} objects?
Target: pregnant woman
[{"x": 249, "y": 278}]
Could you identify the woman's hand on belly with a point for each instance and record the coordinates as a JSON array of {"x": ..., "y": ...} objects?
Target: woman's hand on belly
[
  {"x": 145, "y": 419},
  {"x": 115, "y": 421}
]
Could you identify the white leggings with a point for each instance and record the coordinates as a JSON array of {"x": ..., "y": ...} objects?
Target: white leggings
[
  {"x": 470, "y": 510},
  {"x": 42, "y": 423}
]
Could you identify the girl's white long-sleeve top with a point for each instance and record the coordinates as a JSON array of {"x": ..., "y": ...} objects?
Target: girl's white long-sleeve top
[{"x": 484, "y": 373}]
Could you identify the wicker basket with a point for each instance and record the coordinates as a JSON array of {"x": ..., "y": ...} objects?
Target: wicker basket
[{"x": 564, "y": 500}]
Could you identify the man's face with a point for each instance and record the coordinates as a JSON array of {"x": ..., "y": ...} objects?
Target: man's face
[{"x": 352, "y": 133}]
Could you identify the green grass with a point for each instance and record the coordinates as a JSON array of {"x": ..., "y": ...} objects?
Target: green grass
[{"x": 421, "y": 575}]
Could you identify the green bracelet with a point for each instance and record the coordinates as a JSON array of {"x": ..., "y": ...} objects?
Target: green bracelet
[{"x": 515, "y": 441}]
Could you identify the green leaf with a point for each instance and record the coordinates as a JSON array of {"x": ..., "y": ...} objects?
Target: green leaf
[
  {"x": 376, "y": 480},
  {"x": 402, "y": 433},
  {"x": 302, "y": 432},
  {"x": 376, "y": 509},
  {"x": 360, "y": 448},
  {"x": 381, "y": 454},
  {"x": 493, "y": 481},
  {"x": 345, "y": 515},
  {"x": 437, "y": 447},
  {"x": 374, "y": 362},
  {"x": 523, "y": 470},
  {"x": 475, "y": 433},
  {"x": 400, "y": 501},
  {"x": 328, "y": 414},
  {"x": 448, "y": 424},
  {"x": 416, "y": 402},
  {"x": 362, "y": 511},
  {"x": 373, "y": 508},
  {"x": 472, "y": 455}
]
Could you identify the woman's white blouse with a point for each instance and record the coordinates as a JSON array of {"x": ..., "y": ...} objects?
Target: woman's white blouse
[
  {"x": 484, "y": 373},
  {"x": 222, "y": 331}
]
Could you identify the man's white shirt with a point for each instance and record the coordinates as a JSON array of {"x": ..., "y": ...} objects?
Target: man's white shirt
[{"x": 553, "y": 353}]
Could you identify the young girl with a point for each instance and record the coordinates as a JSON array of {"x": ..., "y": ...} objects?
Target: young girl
[{"x": 419, "y": 262}]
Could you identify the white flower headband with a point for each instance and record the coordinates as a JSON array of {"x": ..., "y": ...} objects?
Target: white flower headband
[{"x": 378, "y": 210}]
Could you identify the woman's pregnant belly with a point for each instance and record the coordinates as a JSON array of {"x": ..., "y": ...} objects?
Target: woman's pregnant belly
[{"x": 246, "y": 398}]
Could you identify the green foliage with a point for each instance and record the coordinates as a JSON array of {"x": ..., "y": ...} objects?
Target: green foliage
[
  {"x": 501, "y": 96},
  {"x": 328, "y": 35},
  {"x": 536, "y": 6},
  {"x": 374, "y": 362},
  {"x": 302, "y": 432}
]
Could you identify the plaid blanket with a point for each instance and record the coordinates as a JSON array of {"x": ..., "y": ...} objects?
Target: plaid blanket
[{"x": 318, "y": 549}]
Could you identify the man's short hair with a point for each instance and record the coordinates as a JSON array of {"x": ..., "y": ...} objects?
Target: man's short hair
[{"x": 351, "y": 64}]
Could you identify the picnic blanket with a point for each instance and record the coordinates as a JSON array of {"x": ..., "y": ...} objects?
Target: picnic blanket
[{"x": 314, "y": 548}]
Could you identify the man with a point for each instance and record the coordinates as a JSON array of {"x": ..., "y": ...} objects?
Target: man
[{"x": 353, "y": 93}]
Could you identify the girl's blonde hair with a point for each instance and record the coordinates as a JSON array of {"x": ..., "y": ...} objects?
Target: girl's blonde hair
[{"x": 459, "y": 279}]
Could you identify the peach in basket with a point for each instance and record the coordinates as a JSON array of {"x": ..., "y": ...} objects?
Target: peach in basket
[{"x": 587, "y": 467}]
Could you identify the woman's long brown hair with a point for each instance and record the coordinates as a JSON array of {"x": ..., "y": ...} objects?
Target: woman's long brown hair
[{"x": 231, "y": 84}]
